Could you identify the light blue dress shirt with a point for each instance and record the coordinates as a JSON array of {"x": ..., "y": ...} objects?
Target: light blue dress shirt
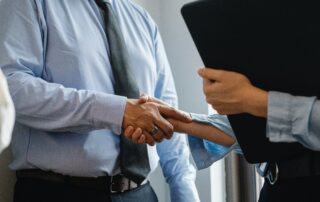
[
  {"x": 54, "y": 54},
  {"x": 294, "y": 119},
  {"x": 290, "y": 119},
  {"x": 205, "y": 152}
]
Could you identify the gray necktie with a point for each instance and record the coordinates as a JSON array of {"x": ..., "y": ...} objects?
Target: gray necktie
[{"x": 134, "y": 160}]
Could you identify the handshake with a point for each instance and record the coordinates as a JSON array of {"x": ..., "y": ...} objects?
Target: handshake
[{"x": 149, "y": 121}]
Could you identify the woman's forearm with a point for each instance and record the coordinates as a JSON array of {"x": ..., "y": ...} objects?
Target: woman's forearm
[{"x": 204, "y": 131}]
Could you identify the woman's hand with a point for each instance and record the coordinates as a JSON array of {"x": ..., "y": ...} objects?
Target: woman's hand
[{"x": 232, "y": 93}]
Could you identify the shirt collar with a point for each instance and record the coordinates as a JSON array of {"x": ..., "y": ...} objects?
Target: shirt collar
[{"x": 108, "y": 1}]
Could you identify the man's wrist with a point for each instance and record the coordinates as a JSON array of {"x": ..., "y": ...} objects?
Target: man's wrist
[{"x": 130, "y": 106}]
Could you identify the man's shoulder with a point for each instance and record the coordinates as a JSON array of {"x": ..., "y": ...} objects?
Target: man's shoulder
[
  {"x": 10, "y": 8},
  {"x": 132, "y": 5},
  {"x": 17, "y": 2},
  {"x": 136, "y": 10}
]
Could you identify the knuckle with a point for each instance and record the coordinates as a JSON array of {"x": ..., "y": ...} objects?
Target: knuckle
[
  {"x": 159, "y": 140},
  {"x": 171, "y": 108},
  {"x": 151, "y": 141},
  {"x": 170, "y": 130},
  {"x": 159, "y": 137}
]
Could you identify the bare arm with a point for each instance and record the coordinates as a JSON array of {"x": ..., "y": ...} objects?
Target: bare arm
[{"x": 203, "y": 131}]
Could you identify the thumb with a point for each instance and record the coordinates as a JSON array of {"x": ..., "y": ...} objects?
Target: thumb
[
  {"x": 211, "y": 74},
  {"x": 176, "y": 124}
]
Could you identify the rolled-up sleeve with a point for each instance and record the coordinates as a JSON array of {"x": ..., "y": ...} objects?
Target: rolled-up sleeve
[
  {"x": 294, "y": 119},
  {"x": 205, "y": 152}
]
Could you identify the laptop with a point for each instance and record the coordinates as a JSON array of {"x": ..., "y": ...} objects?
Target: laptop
[{"x": 276, "y": 44}]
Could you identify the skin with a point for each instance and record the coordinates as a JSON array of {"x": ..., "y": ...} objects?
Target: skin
[
  {"x": 147, "y": 115},
  {"x": 228, "y": 93},
  {"x": 200, "y": 130},
  {"x": 232, "y": 93}
]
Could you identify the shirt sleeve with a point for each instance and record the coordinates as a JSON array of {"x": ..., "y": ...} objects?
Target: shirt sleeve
[
  {"x": 41, "y": 104},
  {"x": 294, "y": 119},
  {"x": 174, "y": 154},
  {"x": 205, "y": 152}
]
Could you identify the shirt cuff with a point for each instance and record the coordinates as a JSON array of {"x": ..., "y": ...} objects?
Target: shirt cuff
[
  {"x": 205, "y": 152},
  {"x": 287, "y": 116},
  {"x": 108, "y": 111}
]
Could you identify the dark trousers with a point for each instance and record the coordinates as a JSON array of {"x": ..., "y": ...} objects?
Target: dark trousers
[
  {"x": 35, "y": 190},
  {"x": 304, "y": 189}
]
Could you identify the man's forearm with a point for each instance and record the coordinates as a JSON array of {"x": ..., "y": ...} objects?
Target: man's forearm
[
  {"x": 176, "y": 166},
  {"x": 69, "y": 109}
]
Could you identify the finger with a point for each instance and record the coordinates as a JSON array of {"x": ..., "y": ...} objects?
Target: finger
[
  {"x": 170, "y": 112},
  {"x": 211, "y": 74},
  {"x": 143, "y": 99},
  {"x": 128, "y": 132},
  {"x": 142, "y": 139},
  {"x": 149, "y": 139},
  {"x": 164, "y": 126},
  {"x": 159, "y": 136},
  {"x": 175, "y": 124},
  {"x": 136, "y": 135},
  {"x": 156, "y": 100}
]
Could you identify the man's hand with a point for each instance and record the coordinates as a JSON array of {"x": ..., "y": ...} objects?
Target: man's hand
[
  {"x": 137, "y": 135},
  {"x": 166, "y": 110},
  {"x": 140, "y": 135},
  {"x": 145, "y": 114},
  {"x": 232, "y": 93}
]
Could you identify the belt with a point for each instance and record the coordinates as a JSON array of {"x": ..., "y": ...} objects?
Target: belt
[
  {"x": 303, "y": 166},
  {"x": 111, "y": 184}
]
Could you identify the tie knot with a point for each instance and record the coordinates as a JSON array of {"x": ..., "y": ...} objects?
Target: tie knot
[{"x": 103, "y": 3}]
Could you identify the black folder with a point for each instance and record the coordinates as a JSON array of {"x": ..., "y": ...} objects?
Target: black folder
[{"x": 276, "y": 44}]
